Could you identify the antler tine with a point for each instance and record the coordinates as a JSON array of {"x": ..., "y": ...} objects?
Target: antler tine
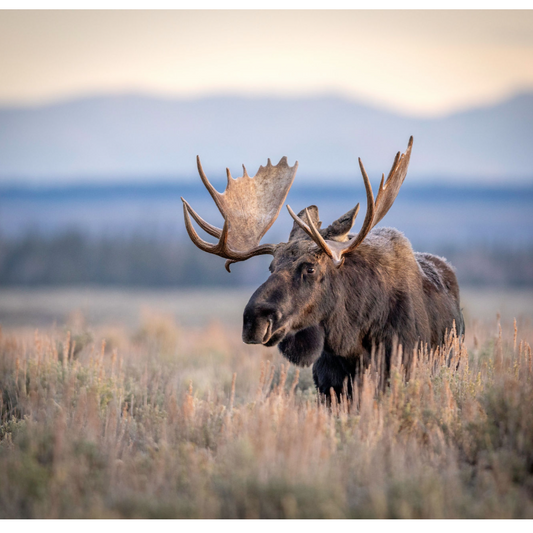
[
  {"x": 229, "y": 176},
  {"x": 311, "y": 230},
  {"x": 317, "y": 235},
  {"x": 195, "y": 238},
  {"x": 369, "y": 217},
  {"x": 212, "y": 191},
  {"x": 228, "y": 263},
  {"x": 299, "y": 221},
  {"x": 387, "y": 192},
  {"x": 208, "y": 228}
]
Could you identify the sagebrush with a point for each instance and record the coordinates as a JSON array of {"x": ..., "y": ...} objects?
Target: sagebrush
[{"x": 172, "y": 423}]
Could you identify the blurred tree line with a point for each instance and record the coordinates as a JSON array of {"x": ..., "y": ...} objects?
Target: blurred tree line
[{"x": 141, "y": 260}]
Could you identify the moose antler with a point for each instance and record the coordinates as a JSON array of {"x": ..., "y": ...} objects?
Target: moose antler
[
  {"x": 374, "y": 213},
  {"x": 249, "y": 207}
]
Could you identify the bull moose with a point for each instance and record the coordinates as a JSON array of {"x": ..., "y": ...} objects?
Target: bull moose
[{"x": 332, "y": 297}]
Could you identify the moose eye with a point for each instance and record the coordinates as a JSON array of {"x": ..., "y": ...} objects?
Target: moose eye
[{"x": 310, "y": 270}]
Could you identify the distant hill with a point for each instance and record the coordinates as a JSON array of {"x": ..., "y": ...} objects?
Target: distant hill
[
  {"x": 124, "y": 138},
  {"x": 428, "y": 215}
]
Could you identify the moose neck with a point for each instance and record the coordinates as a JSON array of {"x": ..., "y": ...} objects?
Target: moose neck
[{"x": 372, "y": 285}]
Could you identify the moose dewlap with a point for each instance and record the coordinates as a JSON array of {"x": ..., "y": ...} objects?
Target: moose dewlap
[{"x": 332, "y": 297}]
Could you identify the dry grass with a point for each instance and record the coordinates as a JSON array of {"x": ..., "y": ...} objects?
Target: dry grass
[{"x": 166, "y": 422}]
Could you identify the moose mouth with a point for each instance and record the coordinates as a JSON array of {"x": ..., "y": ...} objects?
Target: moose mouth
[
  {"x": 271, "y": 338},
  {"x": 268, "y": 332}
]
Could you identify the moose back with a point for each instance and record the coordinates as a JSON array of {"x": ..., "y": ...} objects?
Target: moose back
[{"x": 332, "y": 297}]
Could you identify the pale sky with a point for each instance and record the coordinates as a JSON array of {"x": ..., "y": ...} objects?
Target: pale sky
[{"x": 415, "y": 62}]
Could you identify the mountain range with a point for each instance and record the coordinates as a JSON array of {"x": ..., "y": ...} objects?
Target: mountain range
[{"x": 137, "y": 138}]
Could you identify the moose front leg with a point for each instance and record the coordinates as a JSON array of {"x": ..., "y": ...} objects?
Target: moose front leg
[
  {"x": 304, "y": 347},
  {"x": 331, "y": 372}
]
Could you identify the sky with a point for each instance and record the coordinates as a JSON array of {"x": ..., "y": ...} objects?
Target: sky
[{"x": 421, "y": 63}]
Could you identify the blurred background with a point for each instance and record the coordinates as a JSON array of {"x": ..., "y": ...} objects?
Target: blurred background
[{"x": 102, "y": 115}]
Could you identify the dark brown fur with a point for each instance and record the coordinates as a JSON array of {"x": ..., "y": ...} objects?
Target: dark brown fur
[{"x": 334, "y": 317}]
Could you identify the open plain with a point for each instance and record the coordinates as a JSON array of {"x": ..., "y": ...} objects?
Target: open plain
[{"x": 147, "y": 404}]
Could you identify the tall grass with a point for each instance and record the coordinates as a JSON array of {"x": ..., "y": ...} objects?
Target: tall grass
[{"x": 166, "y": 422}]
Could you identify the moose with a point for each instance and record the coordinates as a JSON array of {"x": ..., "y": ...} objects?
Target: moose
[{"x": 332, "y": 298}]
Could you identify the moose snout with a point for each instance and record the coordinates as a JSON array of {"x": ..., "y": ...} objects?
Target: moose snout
[{"x": 259, "y": 322}]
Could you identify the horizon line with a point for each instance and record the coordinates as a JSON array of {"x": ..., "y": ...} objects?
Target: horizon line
[{"x": 6, "y": 105}]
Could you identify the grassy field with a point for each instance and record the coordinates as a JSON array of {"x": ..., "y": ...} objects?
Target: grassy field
[{"x": 120, "y": 404}]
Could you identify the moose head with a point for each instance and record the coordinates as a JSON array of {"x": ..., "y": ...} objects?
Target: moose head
[{"x": 250, "y": 206}]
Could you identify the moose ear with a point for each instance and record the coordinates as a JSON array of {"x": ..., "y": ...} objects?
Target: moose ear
[
  {"x": 338, "y": 230},
  {"x": 299, "y": 233}
]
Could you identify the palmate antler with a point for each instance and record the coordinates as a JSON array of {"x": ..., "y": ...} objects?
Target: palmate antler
[
  {"x": 374, "y": 213},
  {"x": 249, "y": 207}
]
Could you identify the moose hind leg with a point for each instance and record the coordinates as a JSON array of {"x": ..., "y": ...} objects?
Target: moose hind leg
[{"x": 331, "y": 372}]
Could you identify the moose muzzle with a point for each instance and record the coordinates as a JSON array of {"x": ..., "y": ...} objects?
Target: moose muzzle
[{"x": 261, "y": 324}]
